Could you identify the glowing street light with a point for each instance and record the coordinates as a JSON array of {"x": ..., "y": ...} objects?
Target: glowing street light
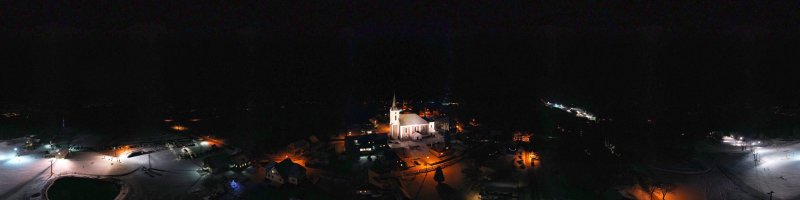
[{"x": 179, "y": 128}]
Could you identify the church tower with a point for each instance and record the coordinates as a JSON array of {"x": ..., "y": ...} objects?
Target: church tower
[{"x": 394, "y": 119}]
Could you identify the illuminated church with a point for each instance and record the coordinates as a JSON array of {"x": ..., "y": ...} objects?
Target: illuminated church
[{"x": 407, "y": 126}]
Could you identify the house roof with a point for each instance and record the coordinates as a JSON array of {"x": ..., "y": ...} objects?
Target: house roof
[
  {"x": 411, "y": 119},
  {"x": 391, "y": 155},
  {"x": 239, "y": 158},
  {"x": 218, "y": 161},
  {"x": 287, "y": 168},
  {"x": 368, "y": 137},
  {"x": 270, "y": 165}
]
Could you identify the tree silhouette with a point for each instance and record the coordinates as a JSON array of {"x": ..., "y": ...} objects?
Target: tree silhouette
[
  {"x": 665, "y": 188},
  {"x": 439, "y": 176}
]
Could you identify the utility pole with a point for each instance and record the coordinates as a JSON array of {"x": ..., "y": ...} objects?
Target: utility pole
[
  {"x": 148, "y": 161},
  {"x": 770, "y": 194},
  {"x": 51, "y": 166}
]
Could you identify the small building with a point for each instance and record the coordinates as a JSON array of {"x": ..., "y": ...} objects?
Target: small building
[
  {"x": 284, "y": 172},
  {"x": 240, "y": 161},
  {"x": 416, "y": 136},
  {"x": 371, "y": 144},
  {"x": 440, "y": 149},
  {"x": 369, "y": 190},
  {"x": 62, "y": 153},
  {"x": 496, "y": 192},
  {"x": 364, "y": 128},
  {"x": 522, "y": 137},
  {"x": 218, "y": 163},
  {"x": 402, "y": 152},
  {"x": 393, "y": 160}
]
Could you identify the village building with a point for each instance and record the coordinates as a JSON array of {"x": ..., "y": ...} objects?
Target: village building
[{"x": 285, "y": 172}]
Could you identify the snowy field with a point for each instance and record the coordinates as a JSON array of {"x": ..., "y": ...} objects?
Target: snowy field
[
  {"x": 24, "y": 176},
  {"x": 735, "y": 173},
  {"x": 777, "y": 168}
]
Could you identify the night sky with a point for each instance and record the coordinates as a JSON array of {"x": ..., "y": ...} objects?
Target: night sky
[{"x": 597, "y": 53}]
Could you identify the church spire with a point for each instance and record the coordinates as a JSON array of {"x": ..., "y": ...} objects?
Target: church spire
[{"x": 394, "y": 101}]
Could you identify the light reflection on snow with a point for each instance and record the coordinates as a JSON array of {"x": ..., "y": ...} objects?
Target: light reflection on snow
[
  {"x": 6, "y": 156},
  {"x": 18, "y": 160},
  {"x": 760, "y": 150}
]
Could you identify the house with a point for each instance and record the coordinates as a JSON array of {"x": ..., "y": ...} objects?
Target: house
[
  {"x": 363, "y": 128},
  {"x": 371, "y": 144},
  {"x": 369, "y": 190},
  {"x": 393, "y": 160},
  {"x": 284, "y": 172},
  {"x": 402, "y": 152},
  {"x": 522, "y": 136},
  {"x": 217, "y": 163},
  {"x": 240, "y": 161},
  {"x": 440, "y": 149}
]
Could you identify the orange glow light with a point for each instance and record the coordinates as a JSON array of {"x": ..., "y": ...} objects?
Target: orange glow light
[{"x": 179, "y": 128}]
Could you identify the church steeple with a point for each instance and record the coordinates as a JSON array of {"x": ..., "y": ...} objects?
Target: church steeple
[
  {"x": 394, "y": 102},
  {"x": 394, "y": 118}
]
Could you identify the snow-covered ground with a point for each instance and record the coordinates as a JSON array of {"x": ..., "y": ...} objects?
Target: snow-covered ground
[
  {"x": 423, "y": 186},
  {"x": 171, "y": 178},
  {"x": 777, "y": 169},
  {"x": 735, "y": 174}
]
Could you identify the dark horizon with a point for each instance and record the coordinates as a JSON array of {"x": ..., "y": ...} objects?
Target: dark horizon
[{"x": 239, "y": 54}]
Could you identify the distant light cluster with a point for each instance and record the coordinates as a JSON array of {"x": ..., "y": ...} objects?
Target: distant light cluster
[{"x": 579, "y": 112}]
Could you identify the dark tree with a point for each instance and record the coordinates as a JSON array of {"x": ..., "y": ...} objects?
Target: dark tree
[
  {"x": 439, "y": 176},
  {"x": 447, "y": 139},
  {"x": 665, "y": 188}
]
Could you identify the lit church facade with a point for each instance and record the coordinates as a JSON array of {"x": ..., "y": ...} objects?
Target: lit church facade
[{"x": 407, "y": 126}]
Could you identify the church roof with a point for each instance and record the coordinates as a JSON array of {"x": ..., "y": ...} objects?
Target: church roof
[{"x": 411, "y": 119}]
